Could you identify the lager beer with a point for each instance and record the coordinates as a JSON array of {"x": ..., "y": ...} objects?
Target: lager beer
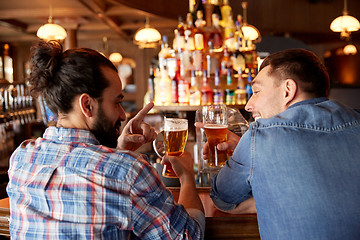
[
  {"x": 175, "y": 136},
  {"x": 215, "y": 134}
]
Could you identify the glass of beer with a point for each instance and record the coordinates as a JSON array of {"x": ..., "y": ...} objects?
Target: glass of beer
[
  {"x": 175, "y": 137},
  {"x": 215, "y": 119}
]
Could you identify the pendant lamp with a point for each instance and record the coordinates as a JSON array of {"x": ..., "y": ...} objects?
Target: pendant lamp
[
  {"x": 147, "y": 37},
  {"x": 51, "y": 31},
  {"x": 345, "y": 24}
]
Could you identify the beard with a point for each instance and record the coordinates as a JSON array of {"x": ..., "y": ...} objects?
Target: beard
[{"x": 104, "y": 131}]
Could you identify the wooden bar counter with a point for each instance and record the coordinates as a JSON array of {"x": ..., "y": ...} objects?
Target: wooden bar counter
[{"x": 219, "y": 225}]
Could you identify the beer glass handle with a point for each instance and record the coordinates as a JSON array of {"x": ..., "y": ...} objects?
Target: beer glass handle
[{"x": 158, "y": 144}]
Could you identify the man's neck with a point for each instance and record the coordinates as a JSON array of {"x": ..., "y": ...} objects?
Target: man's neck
[
  {"x": 71, "y": 121},
  {"x": 301, "y": 96}
]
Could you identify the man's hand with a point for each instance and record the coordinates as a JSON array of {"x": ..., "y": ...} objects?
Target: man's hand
[
  {"x": 229, "y": 145},
  {"x": 182, "y": 165},
  {"x": 136, "y": 132}
]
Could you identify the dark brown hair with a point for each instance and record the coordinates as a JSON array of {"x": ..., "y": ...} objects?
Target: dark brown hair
[
  {"x": 61, "y": 76},
  {"x": 303, "y": 66}
]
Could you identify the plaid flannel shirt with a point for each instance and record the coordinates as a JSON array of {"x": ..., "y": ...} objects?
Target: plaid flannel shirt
[{"x": 67, "y": 186}]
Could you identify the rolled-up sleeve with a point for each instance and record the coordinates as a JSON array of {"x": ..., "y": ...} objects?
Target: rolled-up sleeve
[{"x": 155, "y": 214}]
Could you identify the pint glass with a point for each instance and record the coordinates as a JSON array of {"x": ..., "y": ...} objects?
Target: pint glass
[
  {"x": 215, "y": 119},
  {"x": 175, "y": 137}
]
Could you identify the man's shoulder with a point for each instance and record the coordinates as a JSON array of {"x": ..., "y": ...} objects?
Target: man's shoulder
[
  {"x": 324, "y": 115},
  {"x": 78, "y": 156}
]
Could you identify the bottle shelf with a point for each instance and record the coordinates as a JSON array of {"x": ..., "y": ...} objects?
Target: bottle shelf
[{"x": 186, "y": 108}]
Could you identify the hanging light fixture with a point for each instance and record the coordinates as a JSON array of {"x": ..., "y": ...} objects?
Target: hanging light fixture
[
  {"x": 51, "y": 31},
  {"x": 250, "y": 32},
  {"x": 345, "y": 24},
  {"x": 115, "y": 57},
  {"x": 350, "y": 49},
  {"x": 147, "y": 37}
]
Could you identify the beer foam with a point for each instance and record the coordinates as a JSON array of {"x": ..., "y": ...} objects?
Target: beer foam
[
  {"x": 176, "y": 124},
  {"x": 215, "y": 126}
]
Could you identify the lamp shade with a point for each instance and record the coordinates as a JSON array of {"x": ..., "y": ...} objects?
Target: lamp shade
[
  {"x": 51, "y": 31},
  {"x": 250, "y": 32},
  {"x": 147, "y": 37},
  {"x": 345, "y": 23},
  {"x": 115, "y": 57},
  {"x": 350, "y": 49}
]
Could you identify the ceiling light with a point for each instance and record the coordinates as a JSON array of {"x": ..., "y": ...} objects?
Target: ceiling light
[
  {"x": 115, "y": 57},
  {"x": 147, "y": 37},
  {"x": 250, "y": 32},
  {"x": 345, "y": 24},
  {"x": 350, "y": 49},
  {"x": 51, "y": 31}
]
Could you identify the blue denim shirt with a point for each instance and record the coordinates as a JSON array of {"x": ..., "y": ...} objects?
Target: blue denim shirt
[{"x": 303, "y": 169}]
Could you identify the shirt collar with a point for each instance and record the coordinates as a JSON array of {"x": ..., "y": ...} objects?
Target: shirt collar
[
  {"x": 309, "y": 101},
  {"x": 70, "y": 135}
]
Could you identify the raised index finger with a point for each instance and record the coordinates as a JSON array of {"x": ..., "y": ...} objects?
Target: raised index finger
[{"x": 143, "y": 112}]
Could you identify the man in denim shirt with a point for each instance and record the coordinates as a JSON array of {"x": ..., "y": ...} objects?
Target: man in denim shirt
[{"x": 300, "y": 160}]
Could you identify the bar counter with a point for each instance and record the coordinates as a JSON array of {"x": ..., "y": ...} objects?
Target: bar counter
[{"x": 219, "y": 225}]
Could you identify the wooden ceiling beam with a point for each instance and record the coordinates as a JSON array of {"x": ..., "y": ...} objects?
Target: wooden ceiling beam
[
  {"x": 98, "y": 8},
  {"x": 14, "y": 24},
  {"x": 42, "y": 12}
]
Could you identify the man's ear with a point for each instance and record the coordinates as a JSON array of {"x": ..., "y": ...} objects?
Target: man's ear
[
  {"x": 86, "y": 104},
  {"x": 290, "y": 90}
]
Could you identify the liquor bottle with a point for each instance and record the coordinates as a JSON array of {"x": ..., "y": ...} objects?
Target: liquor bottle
[
  {"x": 195, "y": 94},
  {"x": 175, "y": 83},
  {"x": 165, "y": 88},
  {"x": 157, "y": 88},
  {"x": 238, "y": 58},
  {"x": 230, "y": 89},
  {"x": 248, "y": 88},
  {"x": 226, "y": 11},
  {"x": 151, "y": 89},
  {"x": 198, "y": 60},
  {"x": 206, "y": 91},
  {"x": 189, "y": 33},
  {"x": 240, "y": 92},
  {"x": 199, "y": 34},
  {"x": 186, "y": 54},
  {"x": 183, "y": 88},
  {"x": 229, "y": 34},
  {"x": 191, "y": 6},
  {"x": 216, "y": 9},
  {"x": 215, "y": 36},
  {"x": 225, "y": 62},
  {"x": 239, "y": 35},
  {"x": 180, "y": 38},
  {"x": 212, "y": 60},
  {"x": 200, "y": 6},
  {"x": 218, "y": 96},
  {"x": 164, "y": 53}
]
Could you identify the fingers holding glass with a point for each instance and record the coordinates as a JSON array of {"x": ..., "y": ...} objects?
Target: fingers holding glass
[{"x": 173, "y": 142}]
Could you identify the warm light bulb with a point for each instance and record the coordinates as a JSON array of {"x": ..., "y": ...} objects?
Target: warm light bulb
[
  {"x": 345, "y": 23},
  {"x": 147, "y": 34},
  {"x": 115, "y": 57},
  {"x": 51, "y": 31},
  {"x": 250, "y": 32},
  {"x": 147, "y": 37},
  {"x": 350, "y": 49}
]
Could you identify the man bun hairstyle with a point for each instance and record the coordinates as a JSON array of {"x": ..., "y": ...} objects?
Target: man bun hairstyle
[{"x": 61, "y": 76}]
